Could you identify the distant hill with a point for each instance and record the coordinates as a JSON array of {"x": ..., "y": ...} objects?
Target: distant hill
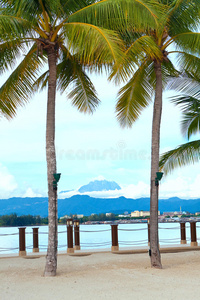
[
  {"x": 82, "y": 204},
  {"x": 99, "y": 185}
]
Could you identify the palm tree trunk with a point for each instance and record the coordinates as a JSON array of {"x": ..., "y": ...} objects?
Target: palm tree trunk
[
  {"x": 51, "y": 259},
  {"x": 154, "y": 242}
]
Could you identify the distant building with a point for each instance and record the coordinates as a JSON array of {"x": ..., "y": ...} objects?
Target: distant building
[
  {"x": 80, "y": 216},
  {"x": 108, "y": 214},
  {"x": 173, "y": 213},
  {"x": 65, "y": 217},
  {"x": 141, "y": 213},
  {"x": 122, "y": 216},
  {"x": 168, "y": 213},
  {"x": 135, "y": 213},
  {"x": 74, "y": 216}
]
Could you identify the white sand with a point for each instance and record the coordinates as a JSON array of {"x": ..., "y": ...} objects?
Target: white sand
[{"x": 102, "y": 276}]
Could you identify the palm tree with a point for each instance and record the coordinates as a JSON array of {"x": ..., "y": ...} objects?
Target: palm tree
[
  {"x": 57, "y": 33},
  {"x": 189, "y": 102},
  {"x": 147, "y": 67},
  {"x": 69, "y": 36}
]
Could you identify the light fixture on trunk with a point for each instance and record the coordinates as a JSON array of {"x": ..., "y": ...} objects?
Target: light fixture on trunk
[
  {"x": 159, "y": 176},
  {"x": 57, "y": 178}
]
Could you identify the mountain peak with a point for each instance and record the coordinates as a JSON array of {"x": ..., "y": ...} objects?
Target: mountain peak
[{"x": 99, "y": 185}]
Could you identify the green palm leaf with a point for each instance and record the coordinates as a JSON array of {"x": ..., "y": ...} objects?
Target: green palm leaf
[
  {"x": 105, "y": 47},
  {"x": 189, "y": 64},
  {"x": 41, "y": 82},
  {"x": 183, "y": 14},
  {"x": 19, "y": 87},
  {"x": 10, "y": 51},
  {"x": 188, "y": 42},
  {"x": 31, "y": 9},
  {"x": 11, "y": 26},
  {"x": 183, "y": 155},
  {"x": 134, "y": 97},
  {"x": 120, "y": 14},
  {"x": 70, "y": 74},
  {"x": 190, "y": 106},
  {"x": 83, "y": 94},
  {"x": 144, "y": 47}
]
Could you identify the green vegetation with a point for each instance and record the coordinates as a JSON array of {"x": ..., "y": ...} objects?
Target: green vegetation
[
  {"x": 14, "y": 220},
  {"x": 187, "y": 153},
  {"x": 101, "y": 217},
  {"x": 93, "y": 218}
]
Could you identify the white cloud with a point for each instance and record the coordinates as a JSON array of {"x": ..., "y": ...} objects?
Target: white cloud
[
  {"x": 182, "y": 187},
  {"x": 31, "y": 194},
  {"x": 7, "y": 183}
]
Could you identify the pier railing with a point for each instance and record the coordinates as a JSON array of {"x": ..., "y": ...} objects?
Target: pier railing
[{"x": 74, "y": 242}]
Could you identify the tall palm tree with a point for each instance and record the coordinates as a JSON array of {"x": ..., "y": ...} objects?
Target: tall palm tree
[
  {"x": 147, "y": 67},
  {"x": 69, "y": 37},
  {"x": 187, "y": 153},
  {"x": 57, "y": 33}
]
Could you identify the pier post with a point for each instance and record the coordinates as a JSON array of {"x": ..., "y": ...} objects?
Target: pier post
[
  {"x": 70, "y": 248},
  {"x": 22, "y": 241},
  {"x": 76, "y": 235},
  {"x": 183, "y": 233},
  {"x": 35, "y": 240},
  {"x": 114, "y": 233},
  {"x": 193, "y": 234},
  {"x": 148, "y": 233}
]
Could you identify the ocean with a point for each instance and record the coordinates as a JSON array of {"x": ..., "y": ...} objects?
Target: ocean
[{"x": 94, "y": 236}]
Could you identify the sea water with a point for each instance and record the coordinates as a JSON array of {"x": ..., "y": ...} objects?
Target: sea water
[{"x": 94, "y": 236}]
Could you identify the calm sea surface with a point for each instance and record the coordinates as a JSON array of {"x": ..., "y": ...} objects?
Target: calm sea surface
[{"x": 94, "y": 236}]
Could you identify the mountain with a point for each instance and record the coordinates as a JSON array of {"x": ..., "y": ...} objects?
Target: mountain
[
  {"x": 83, "y": 204},
  {"x": 99, "y": 185}
]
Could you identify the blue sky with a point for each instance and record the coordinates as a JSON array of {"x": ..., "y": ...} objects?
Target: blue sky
[{"x": 90, "y": 147}]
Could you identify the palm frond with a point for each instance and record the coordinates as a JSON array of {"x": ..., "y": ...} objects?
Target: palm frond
[
  {"x": 83, "y": 94},
  {"x": 10, "y": 52},
  {"x": 186, "y": 84},
  {"x": 71, "y": 6},
  {"x": 42, "y": 81},
  {"x": 190, "y": 123},
  {"x": 144, "y": 47},
  {"x": 18, "y": 88},
  {"x": 183, "y": 15},
  {"x": 121, "y": 14},
  {"x": 134, "y": 97},
  {"x": 183, "y": 155},
  {"x": 31, "y": 9},
  {"x": 11, "y": 27},
  {"x": 93, "y": 45},
  {"x": 189, "y": 64},
  {"x": 188, "y": 42},
  {"x": 70, "y": 74},
  {"x": 190, "y": 107}
]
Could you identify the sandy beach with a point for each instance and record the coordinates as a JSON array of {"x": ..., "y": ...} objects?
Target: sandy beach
[{"x": 102, "y": 276}]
